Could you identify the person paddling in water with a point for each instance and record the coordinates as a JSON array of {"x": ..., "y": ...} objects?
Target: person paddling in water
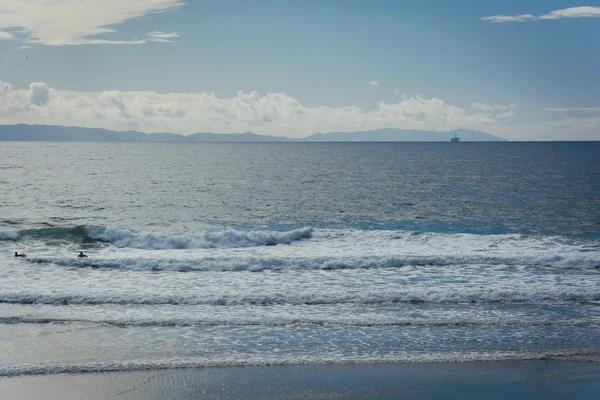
[
  {"x": 19, "y": 255},
  {"x": 81, "y": 255}
]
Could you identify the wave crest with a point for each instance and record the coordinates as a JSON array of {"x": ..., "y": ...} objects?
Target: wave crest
[
  {"x": 401, "y": 296},
  {"x": 258, "y": 263},
  {"x": 229, "y": 238},
  {"x": 261, "y": 360}
]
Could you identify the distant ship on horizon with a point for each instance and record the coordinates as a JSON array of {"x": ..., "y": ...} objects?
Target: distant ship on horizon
[{"x": 454, "y": 139}]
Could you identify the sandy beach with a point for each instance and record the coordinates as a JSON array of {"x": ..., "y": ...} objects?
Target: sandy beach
[{"x": 498, "y": 380}]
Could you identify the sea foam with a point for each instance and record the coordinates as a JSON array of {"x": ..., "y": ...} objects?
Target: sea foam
[
  {"x": 266, "y": 262},
  {"x": 401, "y": 295},
  {"x": 244, "y": 360},
  {"x": 229, "y": 238}
]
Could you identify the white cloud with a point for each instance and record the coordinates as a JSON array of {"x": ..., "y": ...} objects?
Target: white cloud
[
  {"x": 396, "y": 91},
  {"x": 373, "y": 83},
  {"x": 481, "y": 107},
  {"x": 6, "y": 36},
  {"x": 506, "y": 114},
  {"x": 509, "y": 18},
  {"x": 77, "y": 22},
  {"x": 274, "y": 113},
  {"x": 493, "y": 107},
  {"x": 573, "y": 12},
  {"x": 591, "y": 110},
  {"x": 40, "y": 94},
  {"x": 162, "y": 37},
  {"x": 508, "y": 107}
]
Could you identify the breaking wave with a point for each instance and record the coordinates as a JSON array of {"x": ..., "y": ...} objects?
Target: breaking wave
[
  {"x": 229, "y": 238},
  {"x": 318, "y": 298},
  {"x": 257, "y": 263},
  {"x": 9, "y": 235},
  {"x": 261, "y": 360},
  {"x": 344, "y": 320}
]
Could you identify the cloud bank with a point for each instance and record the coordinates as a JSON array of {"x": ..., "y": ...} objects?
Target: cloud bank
[
  {"x": 573, "y": 12},
  {"x": 6, "y": 36},
  {"x": 78, "y": 22},
  {"x": 274, "y": 113},
  {"x": 587, "y": 128}
]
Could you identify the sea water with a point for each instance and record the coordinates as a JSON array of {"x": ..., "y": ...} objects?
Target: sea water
[{"x": 258, "y": 254}]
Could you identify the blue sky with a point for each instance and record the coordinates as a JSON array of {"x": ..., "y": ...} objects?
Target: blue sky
[{"x": 314, "y": 65}]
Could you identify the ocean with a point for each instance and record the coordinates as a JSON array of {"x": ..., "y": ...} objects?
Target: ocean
[{"x": 225, "y": 254}]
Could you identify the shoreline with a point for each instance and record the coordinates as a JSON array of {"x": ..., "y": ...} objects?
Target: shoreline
[{"x": 466, "y": 380}]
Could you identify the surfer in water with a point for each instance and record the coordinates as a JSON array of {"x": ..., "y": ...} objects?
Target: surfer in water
[
  {"x": 81, "y": 255},
  {"x": 19, "y": 255}
]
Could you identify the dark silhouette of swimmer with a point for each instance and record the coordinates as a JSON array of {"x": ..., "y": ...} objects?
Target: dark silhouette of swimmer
[
  {"x": 19, "y": 255},
  {"x": 81, "y": 255}
]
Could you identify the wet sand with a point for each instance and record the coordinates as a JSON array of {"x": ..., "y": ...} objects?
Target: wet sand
[{"x": 498, "y": 380}]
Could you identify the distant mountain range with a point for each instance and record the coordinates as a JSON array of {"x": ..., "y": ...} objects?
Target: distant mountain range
[
  {"x": 54, "y": 133},
  {"x": 403, "y": 135}
]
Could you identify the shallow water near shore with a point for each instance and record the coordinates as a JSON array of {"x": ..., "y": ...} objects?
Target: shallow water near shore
[{"x": 498, "y": 380}]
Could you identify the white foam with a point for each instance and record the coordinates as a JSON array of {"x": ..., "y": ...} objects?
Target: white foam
[
  {"x": 336, "y": 260},
  {"x": 314, "y": 249},
  {"x": 196, "y": 240},
  {"x": 261, "y": 360},
  {"x": 287, "y": 320},
  {"x": 317, "y": 297}
]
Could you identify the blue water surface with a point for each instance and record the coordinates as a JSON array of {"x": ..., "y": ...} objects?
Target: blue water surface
[{"x": 487, "y": 188}]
